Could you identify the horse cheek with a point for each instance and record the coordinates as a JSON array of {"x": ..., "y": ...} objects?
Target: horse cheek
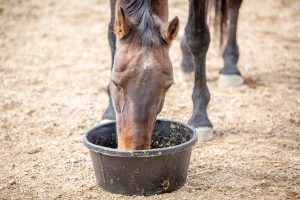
[{"x": 119, "y": 105}]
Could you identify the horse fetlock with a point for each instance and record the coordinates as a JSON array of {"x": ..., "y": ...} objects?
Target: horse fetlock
[
  {"x": 200, "y": 118},
  {"x": 232, "y": 52}
]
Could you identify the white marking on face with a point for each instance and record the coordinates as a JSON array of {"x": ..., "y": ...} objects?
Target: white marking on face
[{"x": 148, "y": 61}]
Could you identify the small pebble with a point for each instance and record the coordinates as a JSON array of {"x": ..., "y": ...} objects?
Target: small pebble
[
  {"x": 73, "y": 160},
  {"x": 12, "y": 182}
]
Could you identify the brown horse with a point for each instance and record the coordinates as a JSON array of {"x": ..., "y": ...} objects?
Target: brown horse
[{"x": 140, "y": 36}]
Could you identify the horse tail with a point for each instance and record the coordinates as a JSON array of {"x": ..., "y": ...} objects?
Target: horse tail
[{"x": 220, "y": 10}]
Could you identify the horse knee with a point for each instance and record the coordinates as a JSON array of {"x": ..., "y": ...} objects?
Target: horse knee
[{"x": 198, "y": 40}]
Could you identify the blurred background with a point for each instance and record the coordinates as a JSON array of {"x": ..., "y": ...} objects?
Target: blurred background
[{"x": 54, "y": 69}]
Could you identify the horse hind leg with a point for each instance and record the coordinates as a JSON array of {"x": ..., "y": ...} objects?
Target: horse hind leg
[
  {"x": 229, "y": 74},
  {"x": 187, "y": 65}
]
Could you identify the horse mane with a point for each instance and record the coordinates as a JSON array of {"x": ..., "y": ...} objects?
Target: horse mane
[{"x": 140, "y": 12}]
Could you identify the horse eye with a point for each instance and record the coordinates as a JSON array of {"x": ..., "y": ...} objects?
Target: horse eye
[{"x": 117, "y": 85}]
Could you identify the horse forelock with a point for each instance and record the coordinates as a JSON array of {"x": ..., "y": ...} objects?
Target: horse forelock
[{"x": 140, "y": 13}]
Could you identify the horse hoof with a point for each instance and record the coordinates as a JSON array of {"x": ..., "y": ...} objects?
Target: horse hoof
[
  {"x": 104, "y": 121},
  {"x": 230, "y": 80},
  {"x": 204, "y": 133}
]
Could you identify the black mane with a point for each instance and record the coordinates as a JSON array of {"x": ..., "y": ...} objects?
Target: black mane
[{"x": 140, "y": 12}]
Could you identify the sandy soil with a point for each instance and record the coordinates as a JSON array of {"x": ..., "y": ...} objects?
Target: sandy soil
[{"x": 54, "y": 68}]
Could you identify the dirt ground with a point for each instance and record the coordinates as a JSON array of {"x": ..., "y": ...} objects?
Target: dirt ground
[{"x": 54, "y": 68}]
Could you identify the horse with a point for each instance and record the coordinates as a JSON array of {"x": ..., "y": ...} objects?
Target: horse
[{"x": 140, "y": 36}]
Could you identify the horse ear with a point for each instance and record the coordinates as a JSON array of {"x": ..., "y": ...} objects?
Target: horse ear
[
  {"x": 122, "y": 24},
  {"x": 170, "y": 30}
]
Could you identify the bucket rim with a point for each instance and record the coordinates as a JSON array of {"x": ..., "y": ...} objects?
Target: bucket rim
[{"x": 141, "y": 153}]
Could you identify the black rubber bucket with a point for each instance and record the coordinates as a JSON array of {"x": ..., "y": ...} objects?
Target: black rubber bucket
[{"x": 163, "y": 168}]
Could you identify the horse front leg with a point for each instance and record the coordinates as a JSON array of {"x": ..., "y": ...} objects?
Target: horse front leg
[
  {"x": 109, "y": 113},
  {"x": 197, "y": 39},
  {"x": 229, "y": 74}
]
